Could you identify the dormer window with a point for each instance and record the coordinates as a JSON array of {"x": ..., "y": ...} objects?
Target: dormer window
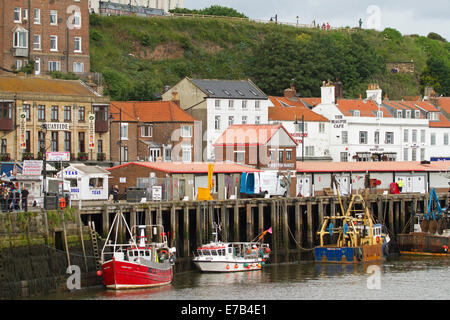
[
  {"x": 379, "y": 114},
  {"x": 417, "y": 114},
  {"x": 227, "y": 92},
  {"x": 254, "y": 93},
  {"x": 399, "y": 114},
  {"x": 210, "y": 91},
  {"x": 433, "y": 116},
  {"x": 408, "y": 114},
  {"x": 240, "y": 92},
  {"x": 356, "y": 113}
]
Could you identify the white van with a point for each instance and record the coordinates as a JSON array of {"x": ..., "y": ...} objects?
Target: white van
[{"x": 261, "y": 184}]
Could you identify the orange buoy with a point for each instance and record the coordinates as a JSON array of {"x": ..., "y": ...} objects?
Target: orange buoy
[
  {"x": 99, "y": 273},
  {"x": 378, "y": 239},
  {"x": 236, "y": 266},
  {"x": 62, "y": 203},
  {"x": 228, "y": 267}
]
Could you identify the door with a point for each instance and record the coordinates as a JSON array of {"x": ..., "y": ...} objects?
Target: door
[
  {"x": 182, "y": 188},
  {"x": 419, "y": 184},
  {"x": 344, "y": 185},
  {"x": 303, "y": 186}
]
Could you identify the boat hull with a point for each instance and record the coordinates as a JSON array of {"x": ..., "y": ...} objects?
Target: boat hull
[
  {"x": 345, "y": 255},
  {"x": 423, "y": 243},
  {"x": 228, "y": 266},
  {"x": 119, "y": 275}
]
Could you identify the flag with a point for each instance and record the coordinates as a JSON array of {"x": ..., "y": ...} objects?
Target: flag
[{"x": 269, "y": 230}]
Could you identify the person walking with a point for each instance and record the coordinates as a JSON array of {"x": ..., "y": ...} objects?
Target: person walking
[
  {"x": 25, "y": 199},
  {"x": 400, "y": 184},
  {"x": 115, "y": 193}
]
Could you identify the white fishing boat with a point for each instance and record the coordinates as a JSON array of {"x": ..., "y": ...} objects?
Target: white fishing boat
[{"x": 218, "y": 256}]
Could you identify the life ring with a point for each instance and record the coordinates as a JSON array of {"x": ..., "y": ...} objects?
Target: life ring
[
  {"x": 164, "y": 251},
  {"x": 236, "y": 266},
  {"x": 228, "y": 267}
]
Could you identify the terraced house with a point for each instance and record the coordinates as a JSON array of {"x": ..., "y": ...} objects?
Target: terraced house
[
  {"x": 54, "y": 35},
  {"x": 39, "y": 115}
]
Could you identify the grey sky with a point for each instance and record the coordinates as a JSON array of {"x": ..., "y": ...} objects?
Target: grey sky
[{"x": 409, "y": 17}]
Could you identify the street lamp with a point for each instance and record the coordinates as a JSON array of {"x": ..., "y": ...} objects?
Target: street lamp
[
  {"x": 297, "y": 20},
  {"x": 44, "y": 148},
  {"x": 276, "y": 19}
]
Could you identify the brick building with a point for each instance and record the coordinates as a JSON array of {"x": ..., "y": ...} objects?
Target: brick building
[
  {"x": 263, "y": 146},
  {"x": 153, "y": 131},
  {"x": 53, "y": 34},
  {"x": 63, "y": 107}
]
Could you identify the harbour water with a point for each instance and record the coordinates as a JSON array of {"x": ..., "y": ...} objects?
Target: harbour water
[{"x": 402, "y": 278}]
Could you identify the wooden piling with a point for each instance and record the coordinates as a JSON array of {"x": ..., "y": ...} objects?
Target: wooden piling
[
  {"x": 284, "y": 215},
  {"x": 224, "y": 222},
  {"x": 105, "y": 221},
  {"x": 236, "y": 221},
  {"x": 248, "y": 222},
  {"x": 309, "y": 218},
  {"x": 402, "y": 214},
  {"x": 260, "y": 217},
  {"x": 198, "y": 224},
  {"x": 298, "y": 223},
  {"x": 273, "y": 220},
  {"x": 186, "y": 231},
  {"x": 391, "y": 216},
  {"x": 173, "y": 226}
]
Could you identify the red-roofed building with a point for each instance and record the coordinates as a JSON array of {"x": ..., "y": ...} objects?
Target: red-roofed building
[
  {"x": 153, "y": 131},
  {"x": 308, "y": 128},
  {"x": 263, "y": 146}
]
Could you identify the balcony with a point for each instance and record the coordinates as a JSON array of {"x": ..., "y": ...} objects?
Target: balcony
[
  {"x": 20, "y": 52},
  {"x": 101, "y": 126},
  {"x": 6, "y": 124}
]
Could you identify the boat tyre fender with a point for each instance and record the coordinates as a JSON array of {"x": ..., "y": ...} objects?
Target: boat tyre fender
[{"x": 359, "y": 254}]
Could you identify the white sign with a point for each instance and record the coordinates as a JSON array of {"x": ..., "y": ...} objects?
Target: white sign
[
  {"x": 91, "y": 130},
  {"x": 57, "y": 156},
  {"x": 23, "y": 129},
  {"x": 32, "y": 167},
  {"x": 56, "y": 126},
  {"x": 156, "y": 193}
]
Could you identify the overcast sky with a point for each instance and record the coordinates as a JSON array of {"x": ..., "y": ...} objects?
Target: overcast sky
[{"x": 409, "y": 17}]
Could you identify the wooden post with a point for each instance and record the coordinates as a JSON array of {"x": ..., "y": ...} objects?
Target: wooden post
[
  {"x": 332, "y": 207},
  {"x": 186, "y": 232},
  {"x": 273, "y": 218},
  {"x": 248, "y": 222},
  {"x": 320, "y": 211},
  {"x": 414, "y": 211},
  {"x": 198, "y": 224},
  {"x": 260, "y": 218},
  {"x": 173, "y": 226},
  {"x": 224, "y": 221},
  {"x": 133, "y": 220},
  {"x": 149, "y": 221},
  {"x": 105, "y": 221},
  {"x": 298, "y": 223},
  {"x": 236, "y": 221},
  {"x": 380, "y": 209},
  {"x": 159, "y": 221},
  {"x": 80, "y": 226},
  {"x": 402, "y": 214},
  {"x": 285, "y": 227},
  {"x": 391, "y": 216},
  {"x": 309, "y": 217}
]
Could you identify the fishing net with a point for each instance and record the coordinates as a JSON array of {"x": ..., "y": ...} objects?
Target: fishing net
[{"x": 424, "y": 225}]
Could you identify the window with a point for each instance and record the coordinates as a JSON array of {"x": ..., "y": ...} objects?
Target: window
[
  {"x": 272, "y": 155},
  {"x": 301, "y": 127},
  {"x": 230, "y": 120},
  {"x": 41, "y": 141},
  {"x": 124, "y": 154},
  {"x": 53, "y": 17},
  {"x": 100, "y": 146},
  {"x": 280, "y": 156},
  {"x": 257, "y": 119},
  {"x": 239, "y": 156},
  {"x": 217, "y": 104},
  {"x": 408, "y": 114},
  {"x": 37, "y": 66},
  {"x": 344, "y": 157},
  {"x": 257, "y": 104},
  {"x": 67, "y": 113},
  {"x": 414, "y": 154},
  {"x": 37, "y": 16},
  {"x": 18, "y": 15},
  {"x": 26, "y": 109},
  {"x": 405, "y": 154},
  {"x": 147, "y": 131},
  {"x": 309, "y": 151},
  {"x": 167, "y": 153},
  {"x": 356, "y": 113},
  {"x": 244, "y": 104},
  {"x": 422, "y": 135},
  {"x": 6, "y": 110},
  {"x": 399, "y": 114},
  {"x": 288, "y": 154},
  {"x": 186, "y": 131},
  {"x": 217, "y": 123},
  {"x": 405, "y": 135},
  {"x": 321, "y": 127},
  {"x": 417, "y": 114},
  {"x": 389, "y": 138},
  {"x": 54, "y": 141},
  {"x": 54, "y": 66},
  {"x": 244, "y": 119},
  {"x": 78, "y": 67},
  {"x": 422, "y": 154},
  {"x": 37, "y": 42},
  {"x": 433, "y": 139},
  {"x": 230, "y": 104},
  {"x": 4, "y": 146},
  {"x": 67, "y": 141},
  {"x": 81, "y": 113},
  {"x": 81, "y": 142},
  {"x": 414, "y": 136},
  {"x": 376, "y": 137},
  {"x": 96, "y": 183},
  {"x": 20, "y": 39},
  {"x": 41, "y": 113},
  {"x": 53, "y": 43},
  {"x": 77, "y": 19},
  {"x": 344, "y": 137},
  {"x": 54, "y": 114},
  {"x": 363, "y": 137},
  {"x": 446, "y": 138},
  {"x": 124, "y": 131},
  {"x": 379, "y": 114},
  {"x": 27, "y": 141},
  {"x": 25, "y": 14},
  {"x": 155, "y": 153},
  {"x": 433, "y": 116},
  {"x": 18, "y": 64},
  {"x": 186, "y": 153}
]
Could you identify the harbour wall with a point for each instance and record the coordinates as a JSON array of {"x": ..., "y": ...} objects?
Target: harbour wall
[{"x": 37, "y": 247}]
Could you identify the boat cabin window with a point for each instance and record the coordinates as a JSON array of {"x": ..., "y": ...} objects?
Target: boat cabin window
[
  {"x": 222, "y": 252},
  {"x": 230, "y": 250},
  {"x": 130, "y": 253},
  {"x": 147, "y": 253},
  {"x": 199, "y": 252},
  {"x": 206, "y": 252},
  {"x": 214, "y": 252}
]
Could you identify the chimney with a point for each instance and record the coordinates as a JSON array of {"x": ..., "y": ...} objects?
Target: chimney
[
  {"x": 339, "y": 88},
  {"x": 327, "y": 93},
  {"x": 375, "y": 93},
  {"x": 290, "y": 93}
]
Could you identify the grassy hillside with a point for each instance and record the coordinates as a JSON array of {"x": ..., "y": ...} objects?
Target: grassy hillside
[{"x": 139, "y": 56}]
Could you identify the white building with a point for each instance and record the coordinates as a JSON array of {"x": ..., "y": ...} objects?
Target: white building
[
  {"x": 375, "y": 130},
  {"x": 165, "y": 5},
  {"x": 219, "y": 104},
  {"x": 309, "y": 129}
]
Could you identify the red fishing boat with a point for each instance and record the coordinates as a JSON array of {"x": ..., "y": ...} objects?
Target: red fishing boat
[{"x": 136, "y": 265}]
